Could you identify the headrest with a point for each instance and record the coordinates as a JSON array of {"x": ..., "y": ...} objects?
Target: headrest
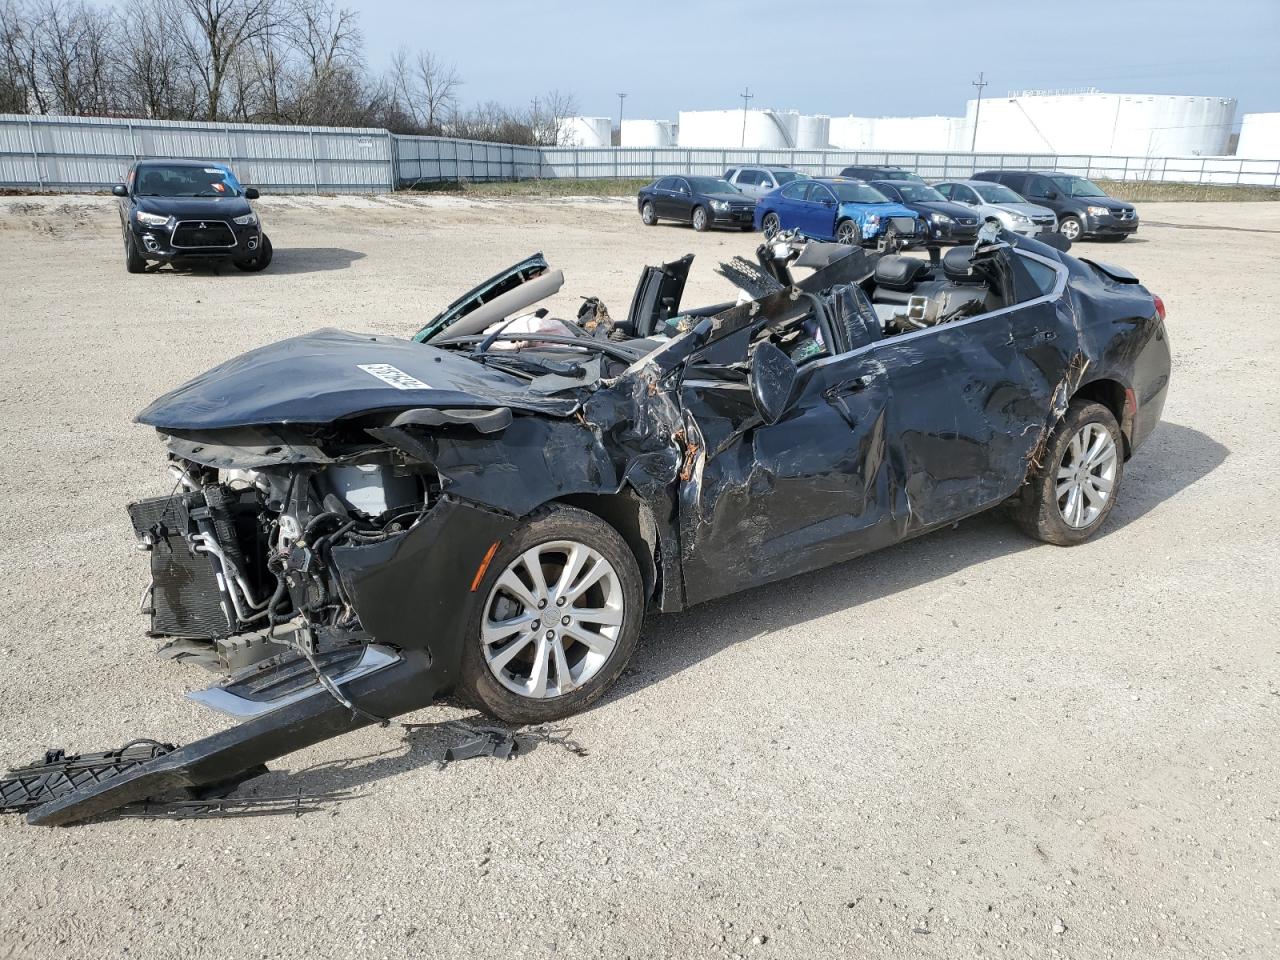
[
  {"x": 895, "y": 272},
  {"x": 956, "y": 266}
]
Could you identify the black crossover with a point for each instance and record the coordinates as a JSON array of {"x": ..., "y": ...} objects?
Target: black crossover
[{"x": 189, "y": 212}]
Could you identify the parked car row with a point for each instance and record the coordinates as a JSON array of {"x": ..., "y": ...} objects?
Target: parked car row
[{"x": 877, "y": 204}]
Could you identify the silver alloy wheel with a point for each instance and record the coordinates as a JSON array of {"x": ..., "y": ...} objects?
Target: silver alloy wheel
[
  {"x": 552, "y": 619},
  {"x": 699, "y": 219},
  {"x": 1070, "y": 228},
  {"x": 1087, "y": 475},
  {"x": 770, "y": 226},
  {"x": 847, "y": 233},
  {"x": 646, "y": 213}
]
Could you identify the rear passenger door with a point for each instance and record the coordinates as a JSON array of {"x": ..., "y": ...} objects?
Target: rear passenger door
[{"x": 748, "y": 182}]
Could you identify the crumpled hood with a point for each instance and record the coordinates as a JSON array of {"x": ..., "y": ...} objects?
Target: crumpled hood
[
  {"x": 196, "y": 208},
  {"x": 860, "y": 211},
  {"x": 331, "y": 374}
]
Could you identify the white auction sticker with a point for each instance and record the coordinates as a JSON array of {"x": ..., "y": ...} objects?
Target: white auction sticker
[{"x": 394, "y": 376}]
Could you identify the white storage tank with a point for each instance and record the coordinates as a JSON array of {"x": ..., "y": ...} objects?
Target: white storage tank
[
  {"x": 813, "y": 132},
  {"x": 648, "y": 133},
  {"x": 850, "y": 133},
  {"x": 585, "y": 132},
  {"x": 1104, "y": 124},
  {"x": 1259, "y": 137},
  {"x": 754, "y": 129}
]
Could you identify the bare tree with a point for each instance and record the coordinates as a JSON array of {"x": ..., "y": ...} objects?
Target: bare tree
[
  {"x": 425, "y": 89},
  {"x": 17, "y": 59},
  {"x": 212, "y": 34}
]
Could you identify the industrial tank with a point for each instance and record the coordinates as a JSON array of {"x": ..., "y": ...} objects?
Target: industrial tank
[
  {"x": 1103, "y": 124},
  {"x": 585, "y": 132},
  {"x": 648, "y": 133},
  {"x": 754, "y": 129},
  {"x": 1259, "y": 136},
  {"x": 813, "y": 132}
]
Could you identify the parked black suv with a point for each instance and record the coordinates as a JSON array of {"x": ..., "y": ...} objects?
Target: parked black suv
[
  {"x": 1083, "y": 207},
  {"x": 879, "y": 173},
  {"x": 189, "y": 212}
]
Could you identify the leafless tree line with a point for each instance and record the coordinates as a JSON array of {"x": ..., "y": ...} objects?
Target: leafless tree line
[{"x": 252, "y": 61}]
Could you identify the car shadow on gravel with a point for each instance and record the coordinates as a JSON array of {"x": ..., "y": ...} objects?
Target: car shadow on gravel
[
  {"x": 1174, "y": 458},
  {"x": 289, "y": 260}
]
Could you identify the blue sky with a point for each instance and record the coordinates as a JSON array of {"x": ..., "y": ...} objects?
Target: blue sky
[{"x": 839, "y": 58}]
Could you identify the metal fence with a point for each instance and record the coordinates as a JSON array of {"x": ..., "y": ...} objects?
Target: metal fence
[{"x": 92, "y": 153}]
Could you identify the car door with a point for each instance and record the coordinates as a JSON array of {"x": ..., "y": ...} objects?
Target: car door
[
  {"x": 966, "y": 415},
  {"x": 748, "y": 181},
  {"x": 681, "y": 199},
  {"x": 818, "y": 219},
  {"x": 663, "y": 197},
  {"x": 767, "y": 501}
]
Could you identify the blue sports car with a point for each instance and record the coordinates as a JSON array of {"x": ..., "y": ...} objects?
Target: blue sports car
[{"x": 847, "y": 211}]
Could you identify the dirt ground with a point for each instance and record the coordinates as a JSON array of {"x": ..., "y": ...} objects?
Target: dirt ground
[{"x": 969, "y": 745}]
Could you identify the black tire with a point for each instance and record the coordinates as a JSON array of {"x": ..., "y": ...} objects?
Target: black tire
[
  {"x": 648, "y": 215},
  {"x": 261, "y": 261},
  {"x": 770, "y": 225},
  {"x": 134, "y": 262},
  {"x": 1071, "y": 228},
  {"x": 700, "y": 219},
  {"x": 1036, "y": 507},
  {"x": 849, "y": 233},
  {"x": 478, "y": 685}
]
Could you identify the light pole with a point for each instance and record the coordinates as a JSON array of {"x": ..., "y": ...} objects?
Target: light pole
[
  {"x": 621, "y": 97},
  {"x": 746, "y": 95},
  {"x": 977, "y": 110}
]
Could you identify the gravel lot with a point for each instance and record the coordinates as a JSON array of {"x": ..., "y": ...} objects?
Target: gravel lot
[{"x": 968, "y": 745}]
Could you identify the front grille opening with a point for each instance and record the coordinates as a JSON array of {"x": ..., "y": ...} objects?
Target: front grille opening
[{"x": 203, "y": 233}]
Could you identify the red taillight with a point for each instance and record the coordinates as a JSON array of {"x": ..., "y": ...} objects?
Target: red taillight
[{"x": 1159, "y": 305}]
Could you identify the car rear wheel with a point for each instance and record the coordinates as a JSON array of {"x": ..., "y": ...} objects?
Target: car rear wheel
[
  {"x": 559, "y": 622},
  {"x": 1070, "y": 228},
  {"x": 261, "y": 260},
  {"x": 848, "y": 232},
  {"x": 1074, "y": 490},
  {"x": 648, "y": 216},
  {"x": 134, "y": 262},
  {"x": 770, "y": 225},
  {"x": 700, "y": 219}
]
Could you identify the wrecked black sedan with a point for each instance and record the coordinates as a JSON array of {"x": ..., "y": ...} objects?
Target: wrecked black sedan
[{"x": 362, "y": 524}]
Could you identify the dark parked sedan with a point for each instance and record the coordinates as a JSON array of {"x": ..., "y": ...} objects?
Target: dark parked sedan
[
  {"x": 489, "y": 510},
  {"x": 702, "y": 201},
  {"x": 947, "y": 222},
  {"x": 875, "y": 172},
  {"x": 189, "y": 212}
]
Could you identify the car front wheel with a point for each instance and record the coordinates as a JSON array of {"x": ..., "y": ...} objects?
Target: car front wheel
[
  {"x": 134, "y": 262},
  {"x": 1074, "y": 490},
  {"x": 1070, "y": 228},
  {"x": 259, "y": 262},
  {"x": 561, "y": 615},
  {"x": 648, "y": 216},
  {"x": 700, "y": 221},
  {"x": 848, "y": 232}
]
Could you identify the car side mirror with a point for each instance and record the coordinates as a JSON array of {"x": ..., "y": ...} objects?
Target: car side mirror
[
  {"x": 1051, "y": 195},
  {"x": 773, "y": 378},
  {"x": 251, "y": 193},
  {"x": 120, "y": 190}
]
